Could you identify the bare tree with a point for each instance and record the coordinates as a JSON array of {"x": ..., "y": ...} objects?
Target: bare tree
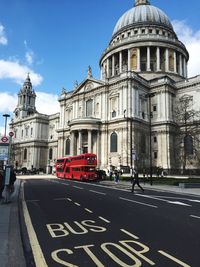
[{"x": 188, "y": 130}]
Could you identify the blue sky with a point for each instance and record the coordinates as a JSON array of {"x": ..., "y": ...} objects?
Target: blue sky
[{"x": 56, "y": 41}]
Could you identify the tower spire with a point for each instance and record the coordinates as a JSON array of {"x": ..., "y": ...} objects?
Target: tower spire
[{"x": 141, "y": 2}]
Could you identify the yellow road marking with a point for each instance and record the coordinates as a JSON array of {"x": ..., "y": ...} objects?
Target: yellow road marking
[
  {"x": 103, "y": 219},
  {"x": 173, "y": 259},
  {"x": 130, "y": 234},
  {"x": 88, "y": 210},
  {"x": 37, "y": 251}
]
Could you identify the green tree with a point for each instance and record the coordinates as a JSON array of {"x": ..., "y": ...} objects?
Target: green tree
[{"x": 188, "y": 129}]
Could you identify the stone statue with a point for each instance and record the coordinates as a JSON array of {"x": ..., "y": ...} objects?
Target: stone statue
[{"x": 89, "y": 72}]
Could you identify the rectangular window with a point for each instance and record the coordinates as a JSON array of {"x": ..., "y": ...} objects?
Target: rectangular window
[
  {"x": 89, "y": 104},
  {"x": 154, "y": 108},
  {"x": 155, "y": 154}
]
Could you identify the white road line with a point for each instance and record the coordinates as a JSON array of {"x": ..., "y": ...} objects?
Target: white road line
[
  {"x": 64, "y": 184},
  {"x": 97, "y": 192},
  {"x": 130, "y": 234},
  {"x": 88, "y": 210},
  {"x": 69, "y": 199},
  {"x": 36, "y": 249},
  {"x": 178, "y": 203},
  {"x": 173, "y": 258},
  {"x": 77, "y": 204},
  {"x": 194, "y": 200},
  {"x": 141, "y": 203},
  {"x": 194, "y": 216},
  {"x": 103, "y": 219},
  {"x": 77, "y": 187}
]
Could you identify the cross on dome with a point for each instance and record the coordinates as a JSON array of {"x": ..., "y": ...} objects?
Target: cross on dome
[{"x": 141, "y": 2}]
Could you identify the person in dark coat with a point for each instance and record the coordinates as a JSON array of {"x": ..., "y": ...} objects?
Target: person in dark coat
[{"x": 135, "y": 181}]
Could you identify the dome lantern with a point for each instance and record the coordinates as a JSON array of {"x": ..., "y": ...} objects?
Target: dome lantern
[{"x": 141, "y": 2}]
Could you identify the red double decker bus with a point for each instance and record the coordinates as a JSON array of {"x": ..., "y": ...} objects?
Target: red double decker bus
[
  {"x": 60, "y": 166},
  {"x": 81, "y": 167}
]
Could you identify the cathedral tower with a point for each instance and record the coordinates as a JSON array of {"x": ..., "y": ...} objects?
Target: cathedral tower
[{"x": 26, "y": 100}]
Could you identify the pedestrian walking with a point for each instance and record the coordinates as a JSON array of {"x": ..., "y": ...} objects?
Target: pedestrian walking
[
  {"x": 116, "y": 176},
  {"x": 110, "y": 175},
  {"x": 135, "y": 181}
]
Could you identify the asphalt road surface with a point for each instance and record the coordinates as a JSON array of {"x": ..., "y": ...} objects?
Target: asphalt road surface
[{"x": 82, "y": 224}]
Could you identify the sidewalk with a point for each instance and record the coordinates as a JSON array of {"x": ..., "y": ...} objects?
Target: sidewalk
[
  {"x": 11, "y": 251},
  {"x": 11, "y": 248},
  {"x": 168, "y": 188}
]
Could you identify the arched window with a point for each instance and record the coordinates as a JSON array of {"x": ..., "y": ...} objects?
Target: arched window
[
  {"x": 89, "y": 104},
  {"x": 188, "y": 144},
  {"x": 67, "y": 147},
  {"x": 25, "y": 154},
  {"x": 50, "y": 153},
  {"x": 113, "y": 142}
]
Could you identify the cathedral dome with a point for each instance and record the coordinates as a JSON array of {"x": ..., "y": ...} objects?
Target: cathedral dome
[{"x": 143, "y": 13}]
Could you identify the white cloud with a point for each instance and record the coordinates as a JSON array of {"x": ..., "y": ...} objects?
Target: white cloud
[
  {"x": 29, "y": 57},
  {"x": 191, "y": 39},
  {"x": 29, "y": 54},
  {"x": 8, "y": 102},
  {"x": 15, "y": 71},
  {"x": 47, "y": 103},
  {"x": 3, "y": 39}
]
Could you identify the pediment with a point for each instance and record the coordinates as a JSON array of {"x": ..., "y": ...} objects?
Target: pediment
[{"x": 88, "y": 85}]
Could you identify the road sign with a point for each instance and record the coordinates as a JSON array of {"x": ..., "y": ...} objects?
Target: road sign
[
  {"x": 3, "y": 151},
  {"x": 11, "y": 134},
  {"x": 4, "y": 139}
]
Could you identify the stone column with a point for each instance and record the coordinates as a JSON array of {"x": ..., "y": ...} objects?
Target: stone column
[
  {"x": 184, "y": 67},
  {"x": 180, "y": 65},
  {"x": 158, "y": 59},
  {"x": 148, "y": 59},
  {"x": 107, "y": 68},
  {"x": 129, "y": 60},
  {"x": 166, "y": 59},
  {"x": 72, "y": 144},
  {"x": 113, "y": 65},
  {"x": 175, "y": 67},
  {"x": 138, "y": 59},
  {"x": 120, "y": 62},
  {"x": 89, "y": 141},
  {"x": 98, "y": 151},
  {"x": 79, "y": 142}
]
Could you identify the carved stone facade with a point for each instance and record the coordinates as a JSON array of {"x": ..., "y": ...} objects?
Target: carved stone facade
[{"x": 126, "y": 117}]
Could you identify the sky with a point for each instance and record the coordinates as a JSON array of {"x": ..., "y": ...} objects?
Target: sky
[{"x": 56, "y": 40}]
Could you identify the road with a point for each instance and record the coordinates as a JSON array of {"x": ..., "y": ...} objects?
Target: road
[{"x": 82, "y": 224}]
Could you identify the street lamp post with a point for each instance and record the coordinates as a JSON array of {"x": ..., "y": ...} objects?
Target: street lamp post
[{"x": 6, "y": 117}]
